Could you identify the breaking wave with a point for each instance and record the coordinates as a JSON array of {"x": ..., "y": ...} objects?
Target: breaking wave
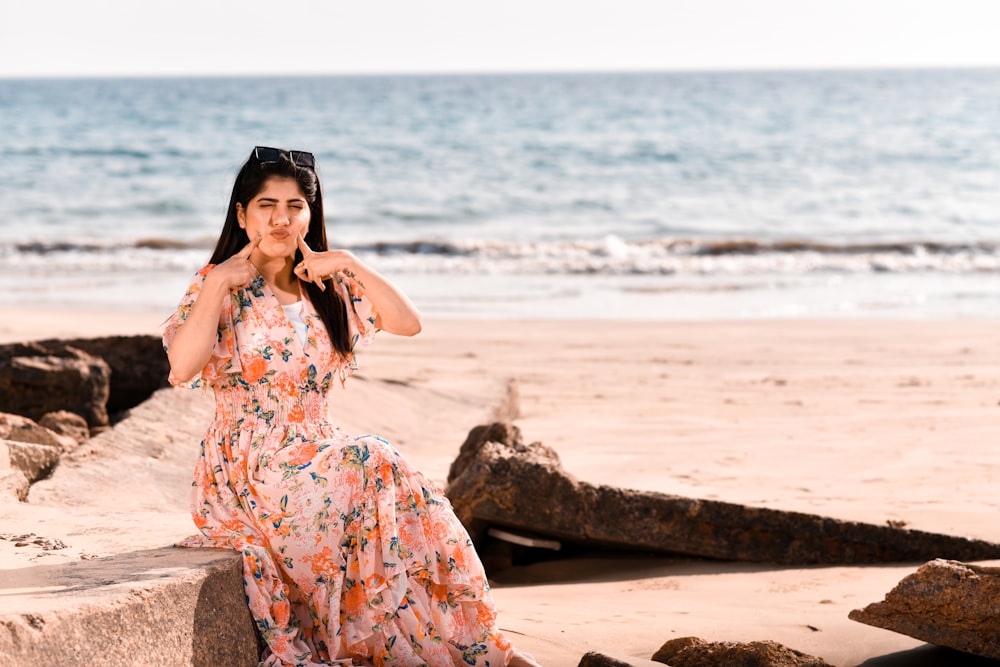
[{"x": 611, "y": 254}]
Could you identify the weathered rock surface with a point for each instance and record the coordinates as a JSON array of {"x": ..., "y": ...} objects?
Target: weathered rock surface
[
  {"x": 595, "y": 659},
  {"x": 67, "y": 424},
  {"x": 138, "y": 365},
  {"x": 23, "y": 463},
  {"x": 22, "y": 429},
  {"x": 695, "y": 652},
  {"x": 498, "y": 480},
  {"x": 87, "y": 376},
  {"x": 13, "y": 482},
  {"x": 36, "y": 461},
  {"x": 944, "y": 602},
  {"x": 36, "y": 379},
  {"x": 155, "y": 607}
]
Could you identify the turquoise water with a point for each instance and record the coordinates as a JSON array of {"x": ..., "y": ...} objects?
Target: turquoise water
[{"x": 651, "y": 196}]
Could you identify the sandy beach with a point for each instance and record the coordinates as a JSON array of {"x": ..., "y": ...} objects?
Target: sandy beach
[{"x": 864, "y": 420}]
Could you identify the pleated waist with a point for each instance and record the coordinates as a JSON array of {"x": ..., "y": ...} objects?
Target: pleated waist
[{"x": 257, "y": 406}]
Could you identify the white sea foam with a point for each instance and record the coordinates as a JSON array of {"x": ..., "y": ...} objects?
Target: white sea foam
[{"x": 609, "y": 255}]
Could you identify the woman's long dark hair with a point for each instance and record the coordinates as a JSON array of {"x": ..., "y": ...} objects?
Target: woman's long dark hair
[{"x": 249, "y": 182}]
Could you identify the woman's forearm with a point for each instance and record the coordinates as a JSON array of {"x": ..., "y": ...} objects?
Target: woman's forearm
[
  {"x": 192, "y": 345},
  {"x": 396, "y": 313}
]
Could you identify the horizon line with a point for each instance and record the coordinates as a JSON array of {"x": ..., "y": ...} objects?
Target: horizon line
[{"x": 498, "y": 72}]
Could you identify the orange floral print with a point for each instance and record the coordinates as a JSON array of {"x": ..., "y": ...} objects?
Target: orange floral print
[
  {"x": 303, "y": 453},
  {"x": 297, "y": 414},
  {"x": 340, "y": 537},
  {"x": 254, "y": 369}
]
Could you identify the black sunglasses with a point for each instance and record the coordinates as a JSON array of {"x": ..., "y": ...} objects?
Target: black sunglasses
[{"x": 268, "y": 155}]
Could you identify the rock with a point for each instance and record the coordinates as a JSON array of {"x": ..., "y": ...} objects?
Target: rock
[
  {"x": 22, "y": 429},
  {"x": 497, "y": 480},
  {"x": 70, "y": 427},
  {"x": 138, "y": 365},
  {"x": 944, "y": 602},
  {"x": 183, "y": 607},
  {"x": 34, "y": 460},
  {"x": 593, "y": 659},
  {"x": 695, "y": 652},
  {"x": 506, "y": 434},
  {"x": 30, "y": 539},
  {"x": 13, "y": 482},
  {"x": 36, "y": 379}
]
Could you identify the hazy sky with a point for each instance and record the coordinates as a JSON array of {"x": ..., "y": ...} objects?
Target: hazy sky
[{"x": 205, "y": 37}]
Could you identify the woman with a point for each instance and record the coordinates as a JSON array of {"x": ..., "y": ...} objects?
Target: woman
[{"x": 349, "y": 555}]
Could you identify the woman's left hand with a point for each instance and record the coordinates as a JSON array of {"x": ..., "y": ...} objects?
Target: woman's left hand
[
  {"x": 395, "y": 312},
  {"x": 316, "y": 267}
]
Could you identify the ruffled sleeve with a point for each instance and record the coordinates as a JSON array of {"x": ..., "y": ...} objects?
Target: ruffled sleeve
[
  {"x": 223, "y": 359},
  {"x": 361, "y": 315}
]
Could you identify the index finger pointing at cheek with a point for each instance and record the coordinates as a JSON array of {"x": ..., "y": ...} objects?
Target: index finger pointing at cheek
[
  {"x": 303, "y": 246},
  {"x": 249, "y": 248}
]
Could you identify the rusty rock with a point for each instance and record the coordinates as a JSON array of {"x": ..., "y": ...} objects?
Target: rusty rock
[{"x": 944, "y": 602}]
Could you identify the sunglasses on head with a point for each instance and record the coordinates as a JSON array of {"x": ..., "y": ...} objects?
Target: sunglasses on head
[{"x": 268, "y": 155}]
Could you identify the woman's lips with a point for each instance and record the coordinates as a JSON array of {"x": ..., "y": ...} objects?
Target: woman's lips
[{"x": 280, "y": 234}]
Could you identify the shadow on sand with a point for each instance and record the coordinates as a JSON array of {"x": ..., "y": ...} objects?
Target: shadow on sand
[{"x": 929, "y": 656}]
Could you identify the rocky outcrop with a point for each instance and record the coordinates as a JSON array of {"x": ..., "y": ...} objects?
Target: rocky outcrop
[
  {"x": 70, "y": 427},
  {"x": 138, "y": 366},
  {"x": 36, "y": 379},
  {"x": 68, "y": 387},
  {"x": 13, "y": 482},
  {"x": 22, "y": 429},
  {"x": 91, "y": 377},
  {"x": 28, "y": 453},
  {"x": 154, "y": 607},
  {"x": 497, "y": 480},
  {"x": 944, "y": 602},
  {"x": 34, "y": 460},
  {"x": 695, "y": 652}
]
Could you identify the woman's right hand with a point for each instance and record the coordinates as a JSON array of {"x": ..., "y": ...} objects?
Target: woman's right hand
[
  {"x": 192, "y": 345},
  {"x": 236, "y": 271}
]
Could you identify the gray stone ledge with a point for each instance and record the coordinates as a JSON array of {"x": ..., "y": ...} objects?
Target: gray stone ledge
[{"x": 156, "y": 607}]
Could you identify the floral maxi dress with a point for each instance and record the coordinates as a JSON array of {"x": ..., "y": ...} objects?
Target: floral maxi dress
[{"x": 350, "y": 556}]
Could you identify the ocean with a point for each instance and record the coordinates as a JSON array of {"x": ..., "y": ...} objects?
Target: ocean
[{"x": 701, "y": 195}]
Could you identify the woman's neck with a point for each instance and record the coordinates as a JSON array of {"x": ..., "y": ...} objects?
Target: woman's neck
[{"x": 277, "y": 272}]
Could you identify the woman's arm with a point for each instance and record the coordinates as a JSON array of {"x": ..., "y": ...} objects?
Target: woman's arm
[
  {"x": 395, "y": 313},
  {"x": 192, "y": 345}
]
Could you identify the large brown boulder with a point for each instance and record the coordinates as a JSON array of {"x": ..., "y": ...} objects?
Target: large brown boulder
[
  {"x": 39, "y": 377},
  {"x": 695, "y": 652},
  {"x": 138, "y": 365},
  {"x": 944, "y": 602},
  {"x": 499, "y": 481},
  {"x": 36, "y": 379}
]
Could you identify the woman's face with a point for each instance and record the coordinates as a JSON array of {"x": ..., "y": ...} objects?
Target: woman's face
[{"x": 279, "y": 213}]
